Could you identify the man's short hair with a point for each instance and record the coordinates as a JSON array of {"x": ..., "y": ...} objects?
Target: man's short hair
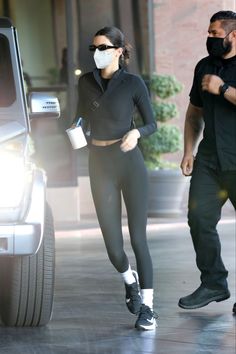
[{"x": 227, "y": 19}]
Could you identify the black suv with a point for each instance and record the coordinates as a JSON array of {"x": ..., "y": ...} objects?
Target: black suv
[{"x": 27, "y": 248}]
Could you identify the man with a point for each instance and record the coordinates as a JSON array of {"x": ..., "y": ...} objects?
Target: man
[{"x": 212, "y": 105}]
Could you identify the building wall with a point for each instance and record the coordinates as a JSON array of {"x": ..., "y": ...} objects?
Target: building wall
[
  {"x": 33, "y": 20},
  {"x": 180, "y": 31}
]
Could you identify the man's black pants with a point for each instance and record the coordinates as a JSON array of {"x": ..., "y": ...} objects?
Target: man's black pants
[{"x": 209, "y": 190}]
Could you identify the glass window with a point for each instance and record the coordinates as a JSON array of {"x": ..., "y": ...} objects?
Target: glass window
[{"x": 7, "y": 86}]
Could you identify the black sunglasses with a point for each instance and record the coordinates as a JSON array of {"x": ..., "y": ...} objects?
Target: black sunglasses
[{"x": 101, "y": 47}]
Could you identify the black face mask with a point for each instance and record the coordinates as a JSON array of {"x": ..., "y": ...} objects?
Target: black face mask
[{"x": 217, "y": 47}]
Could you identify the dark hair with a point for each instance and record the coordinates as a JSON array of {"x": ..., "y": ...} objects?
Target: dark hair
[
  {"x": 227, "y": 19},
  {"x": 117, "y": 38}
]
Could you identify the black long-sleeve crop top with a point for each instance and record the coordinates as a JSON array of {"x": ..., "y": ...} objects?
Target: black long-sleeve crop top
[{"x": 110, "y": 112}]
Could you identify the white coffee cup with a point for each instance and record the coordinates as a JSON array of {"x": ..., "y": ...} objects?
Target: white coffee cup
[{"x": 77, "y": 138}]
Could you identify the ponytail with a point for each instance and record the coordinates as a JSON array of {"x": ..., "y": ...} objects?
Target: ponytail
[{"x": 126, "y": 54}]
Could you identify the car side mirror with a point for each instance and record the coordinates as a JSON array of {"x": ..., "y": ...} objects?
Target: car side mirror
[{"x": 43, "y": 105}]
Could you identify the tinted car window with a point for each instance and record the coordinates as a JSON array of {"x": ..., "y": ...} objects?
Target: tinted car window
[{"x": 7, "y": 87}]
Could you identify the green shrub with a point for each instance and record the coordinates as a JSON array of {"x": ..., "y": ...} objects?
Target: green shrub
[
  {"x": 165, "y": 86},
  {"x": 164, "y": 111},
  {"x": 168, "y": 138}
]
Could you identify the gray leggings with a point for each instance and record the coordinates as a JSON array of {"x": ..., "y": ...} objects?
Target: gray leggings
[{"x": 113, "y": 172}]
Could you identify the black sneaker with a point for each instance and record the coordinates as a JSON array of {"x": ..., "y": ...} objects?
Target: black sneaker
[
  {"x": 146, "y": 320},
  {"x": 202, "y": 297},
  {"x": 234, "y": 308},
  {"x": 133, "y": 298}
]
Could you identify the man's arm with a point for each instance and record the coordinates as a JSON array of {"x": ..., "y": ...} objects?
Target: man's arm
[
  {"x": 212, "y": 84},
  {"x": 192, "y": 130},
  {"x": 230, "y": 95}
]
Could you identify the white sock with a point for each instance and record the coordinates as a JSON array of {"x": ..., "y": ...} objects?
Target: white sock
[
  {"x": 128, "y": 276},
  {"x": 147, "y": 297}
]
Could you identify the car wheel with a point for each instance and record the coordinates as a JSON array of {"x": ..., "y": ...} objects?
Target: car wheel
[{"x": 27, "y": 283}]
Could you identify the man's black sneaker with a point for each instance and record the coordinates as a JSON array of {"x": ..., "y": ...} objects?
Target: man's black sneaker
[
  {"x": 202, "y": 297},
  {"x": 234, "y": 308},
  {"x": 133, "y": 298},
  {"x": 146, "y": 319}
]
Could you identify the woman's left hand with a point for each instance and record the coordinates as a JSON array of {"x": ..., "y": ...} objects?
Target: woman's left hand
[{"x": 130, "y": 140}]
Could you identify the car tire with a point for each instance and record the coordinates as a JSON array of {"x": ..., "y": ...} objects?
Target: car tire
[{"x": 27, "y": 283}]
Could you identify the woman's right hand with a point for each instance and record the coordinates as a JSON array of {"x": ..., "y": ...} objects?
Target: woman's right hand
[{"x": 73, "y": 125}]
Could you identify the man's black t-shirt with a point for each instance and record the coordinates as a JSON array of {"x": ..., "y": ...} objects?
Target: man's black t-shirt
[{"x": 218, "y": 146}]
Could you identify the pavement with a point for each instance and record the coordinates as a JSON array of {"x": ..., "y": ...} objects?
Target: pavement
[{"x": 90, "y": 316}]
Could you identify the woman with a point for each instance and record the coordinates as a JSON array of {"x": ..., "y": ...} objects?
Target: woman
[{"x": 107, "y": 98}]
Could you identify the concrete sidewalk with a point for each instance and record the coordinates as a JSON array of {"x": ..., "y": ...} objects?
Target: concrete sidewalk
[{"x": 90, "y": 315}]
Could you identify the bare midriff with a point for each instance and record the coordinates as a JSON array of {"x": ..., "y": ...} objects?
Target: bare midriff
[{"x": 104, "y": 142}]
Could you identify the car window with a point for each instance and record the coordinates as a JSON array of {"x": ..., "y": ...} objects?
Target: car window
[{"x": 7, "y": 86}]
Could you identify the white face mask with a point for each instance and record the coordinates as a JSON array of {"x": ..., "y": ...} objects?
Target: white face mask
[{"x": 103, "y": 58}]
